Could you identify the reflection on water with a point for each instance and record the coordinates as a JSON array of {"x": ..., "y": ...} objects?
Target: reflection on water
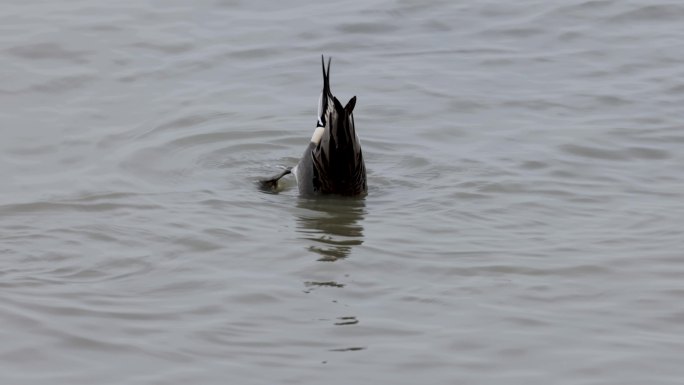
[{"x": 332, "y": 224}]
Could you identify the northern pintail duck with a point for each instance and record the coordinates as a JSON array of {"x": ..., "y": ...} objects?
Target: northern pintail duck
[{"x": 333, "y": 161}]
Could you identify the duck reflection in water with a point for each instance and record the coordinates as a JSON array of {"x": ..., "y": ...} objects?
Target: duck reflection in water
[{"x": 332, "y": 224}]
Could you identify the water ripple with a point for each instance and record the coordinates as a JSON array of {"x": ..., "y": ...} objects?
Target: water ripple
[{"x": 525, "y": 193}]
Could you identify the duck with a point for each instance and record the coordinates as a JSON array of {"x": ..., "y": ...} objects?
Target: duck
[{"x": 332, "y": 163}]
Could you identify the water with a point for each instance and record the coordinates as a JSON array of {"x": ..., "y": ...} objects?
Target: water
[{"x": 523, "y": 223}]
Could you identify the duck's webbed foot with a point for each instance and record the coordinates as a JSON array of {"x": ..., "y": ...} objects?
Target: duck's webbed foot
[{"x": 271, "y": 184}]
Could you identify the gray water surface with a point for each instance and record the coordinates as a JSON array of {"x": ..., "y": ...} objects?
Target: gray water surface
[{"x": 524, "y": 222}]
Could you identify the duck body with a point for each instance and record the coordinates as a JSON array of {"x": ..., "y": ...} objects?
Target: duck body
[{"x": 332, "y": 162}]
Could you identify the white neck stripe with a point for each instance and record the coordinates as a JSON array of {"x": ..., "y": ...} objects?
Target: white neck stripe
[{"x": 317, "y": 135}]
